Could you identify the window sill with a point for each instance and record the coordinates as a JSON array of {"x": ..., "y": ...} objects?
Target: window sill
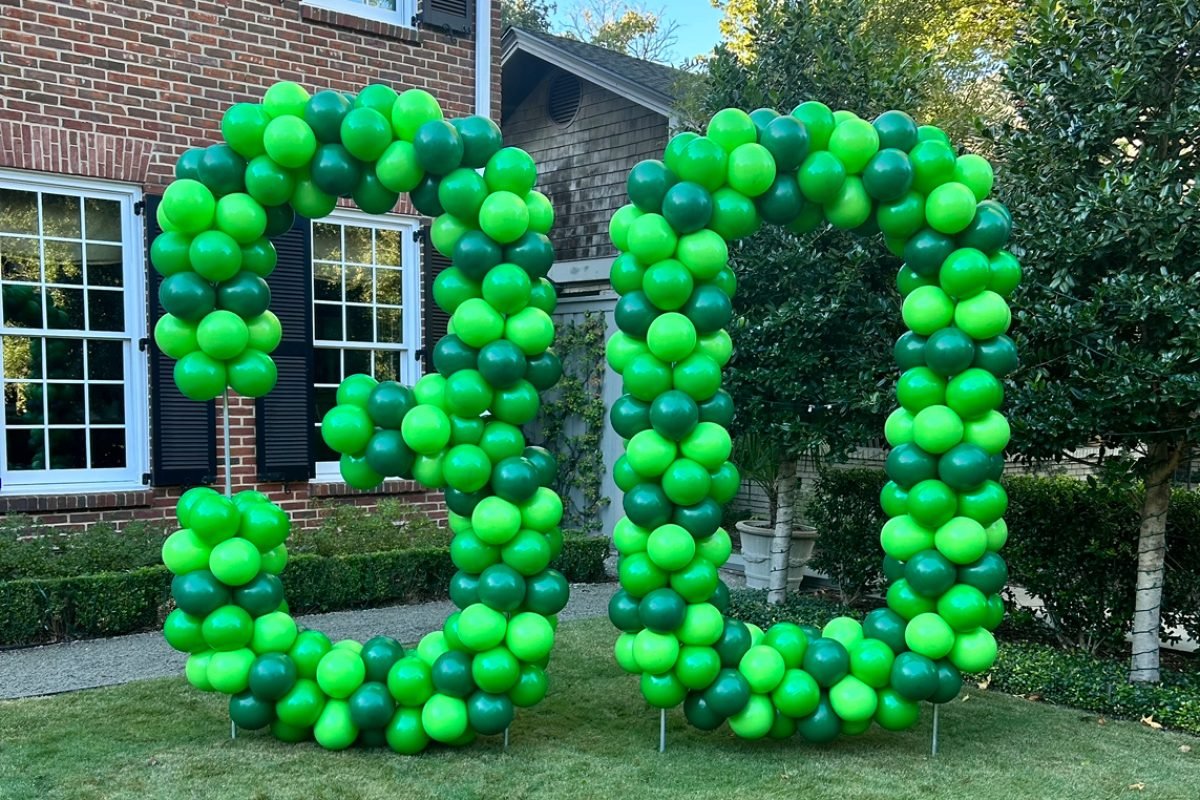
[
  {"x": 337, "y": 488},
  {"x": 84, "y": 501},
  {"x": 339, "y": 19}
]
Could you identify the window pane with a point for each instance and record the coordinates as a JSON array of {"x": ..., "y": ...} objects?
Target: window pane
[
  {"x": 64, "y": 309},
  {"x": 326, "y": 398},
  {"x": 322, "y": 451},
  {"x": 108, "y": 448},
  {"x": 18, "y": 212},
  {"x": 358, "y": 361},
  {"x": 387, "y": 248},
  {"x": 103, "y": 220},
  {"x": 390, "y": 5},
  {"x": 19, "y": 260},
  {"x": 327, "y": 282},
  {"x": 358, "y": 285},
  {"x": 22, "y": 357},
  {"x": 25, "y": 449},
  {"x": 327, "y": 366},
  {"x": 65, "y": 403},
  {"x": 327, "y": 320},
  {"x": 389, "y": 325},
  {"x": 106, "y": 361},
  {"x": 68, "y": 449},
  {"x": 359, "y": 324},
  {"x": 104, "y": 265},
  {"x": 358, "y": 245},
  {"x": 22, "y": 306},
  {"x": 106, "y": 404},
  {"x": 387, "y": 365},
  {"x": 23, "y": 404},
  {"x": 106, "y": 310},
  {"x": 64, "y": 358},
  {"x": 388, "y": 286},
  {"x": 60, "y": 216},
  {"x": 63, "y": 262},
  {"x": 327, "y": 241}
]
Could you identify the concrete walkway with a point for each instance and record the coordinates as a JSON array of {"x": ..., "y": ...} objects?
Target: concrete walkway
[{"x": 89, "y": 663}]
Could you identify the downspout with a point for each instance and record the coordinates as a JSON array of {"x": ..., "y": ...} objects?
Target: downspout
[{"x": 483, "y": 58}]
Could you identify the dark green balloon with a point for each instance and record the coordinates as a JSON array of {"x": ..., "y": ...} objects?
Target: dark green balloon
[
  {"x": 372, "y": 706},
  {"x": 782, "y": 203},
  {"x": 245, "y": 294},
  {"x": 476, "y": 253},
  {"x": 926, "y": 250},
  {"x": 280, "y": 220},
  {"x": 425, "y": 197},
  {"x": 647, "y": 185},
  {"x": 324, "y": 112},
  {"x": 964, "y": 466},
  {"x": 700, "y": 714},
  {"x": 515, "y": 479},
  {"x": 930, "y": 573},
  {"x": 371, "y": 195},
  {"x": 823, "y": 725},
  {"x": 379, "y": 654},
  {"x": 544, "y": 462},
  {"x": 389, "y": 455},
  {"x": 733, "y": 644},
  {"x": 261, "y": 595},
  {"x": 709, "y": 308},
  {"x": 997, "y": 355},
  {"x": 388, "y": 402},
  {"x": 989, "y": 574},
  {"x": 989, "y": 230},
  {"x": 623, "y": 612},
  {"x": 687, "y": 207},
  {"x": 544, "y": 370},
  {"x": 888, "y": 175},
  {"x": 761, "y": 117},
  {"x": 718, "y": 409},
  {"x": 501, "y": 587},
  {"x": 950, "y": 682},
  {"x": 720, "y": 597},
  {"x": 502, "y": 364},
  {"x": 647, "y": 505},
  {"x": 786, "y": 139},
  {"x": 662, "y": 610},
  {"x": 729, "y": 693},
  {"x": 188, "y": 165},
  {"x": 629, "y": 416},
  {"x": 451, "y": 354},
  {"x": 546, "y": 593},
  {"x": 949, "y": 351},
  {"x": 887, "y": 626},
  {"x": 533, "y": 252},
  {"x": 464, "y": 588},
  {"x": 908, "y": 465},
  {"x": 909, "y": 350},
  {"x": 222, "y": 170},
  {"x": 272, "y": 675},
  {"x": 335, "y": 171},
  {"x": 438, "y": 147},
  {"x": 673, "y": 414},
  {"x": 896, "y": 129},
  {"x": 634, "y": 313},
  {"x": 452, "y": 674},
  {"x": 250, "y": 712},
  {"x": 481, "y": 139},
  {"x": 489, "y": 714},
  {"x": 827, "y": 661},
  {"x": 462, "y": 503},
  {"x": 187, "y": 296},
  {"x": 893, "y": 570},
  {"x": 914, "y": 676},
  {"x": 701, "y": 519},
  {"x": 199, "y": 593}
]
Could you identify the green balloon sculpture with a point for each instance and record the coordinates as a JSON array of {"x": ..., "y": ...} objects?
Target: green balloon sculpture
[
  {"x": 945, "y": 505},
  {"x": 457, "y": 429}
]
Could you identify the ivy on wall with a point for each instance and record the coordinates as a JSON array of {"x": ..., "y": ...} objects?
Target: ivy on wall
[{"x": 572, "y": 421}]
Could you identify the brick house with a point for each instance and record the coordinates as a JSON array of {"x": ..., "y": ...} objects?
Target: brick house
[{"x": 97, "y": 100}]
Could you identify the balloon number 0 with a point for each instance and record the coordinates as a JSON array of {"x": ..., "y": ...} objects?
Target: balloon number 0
[
  {"x": 457, "y": 429},
  {"x": 801, "y": 170}
]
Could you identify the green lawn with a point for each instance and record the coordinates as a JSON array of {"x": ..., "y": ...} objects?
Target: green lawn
[{"x": 593, "y": 737}]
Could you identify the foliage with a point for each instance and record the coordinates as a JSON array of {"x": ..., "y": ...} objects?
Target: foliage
[
  {"x": 573, "y": 418},
  {"x": 35, "y": 610},
  {"x": 845, "y": 511},
  {"x": 751, "y": 606},
  {"x": 29, "y": 550},
  {"x": 758, "y": 459},
  {"x": 531, "y": 15},
  {"x": 346, "y": 528},
  {"x": 629, "y": 28}
]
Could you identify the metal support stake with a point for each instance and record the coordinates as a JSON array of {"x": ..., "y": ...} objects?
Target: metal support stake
[
  {"x": 662, "y": 731},
  {"x": 232, "y": 729},
  {"x": 228, "y": 456},
  {"x": 506, "y": 738},
  {"x": 936, "y": 706}
]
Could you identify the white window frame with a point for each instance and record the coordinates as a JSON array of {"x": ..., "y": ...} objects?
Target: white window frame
[
  {"x": 137, "y": 428},
  {"x": 402, "y": 16},
  {"x": 410, "y": 323}
]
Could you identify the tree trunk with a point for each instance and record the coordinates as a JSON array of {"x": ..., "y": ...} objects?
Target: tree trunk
[
  {"x": 781, "y": 542},
  {"x": 1161, "y": 461}
]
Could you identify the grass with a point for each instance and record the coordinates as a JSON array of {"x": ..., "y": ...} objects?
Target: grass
[{"x": 593, "y": 737}]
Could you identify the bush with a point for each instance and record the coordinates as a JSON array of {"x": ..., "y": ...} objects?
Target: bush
[
  {"x": 750, "y": 605},
  {"x": 845, "y": 511},
  {"x": 392, "y": 525},
  {"x": 29, "y": 550}
]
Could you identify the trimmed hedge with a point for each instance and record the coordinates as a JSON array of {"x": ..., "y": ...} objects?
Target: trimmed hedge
[{"x": 41, "y": 610}]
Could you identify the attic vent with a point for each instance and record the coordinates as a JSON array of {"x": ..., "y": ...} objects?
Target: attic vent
[{"x": 562, "y": 99}]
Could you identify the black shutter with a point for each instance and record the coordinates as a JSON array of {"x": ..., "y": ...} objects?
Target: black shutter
[
  {"x": 183, "y": 433},
  {"x": 452, "y": 16},
  {"x": 433, "y": 319},
  {"x": 284, "y": 418}
]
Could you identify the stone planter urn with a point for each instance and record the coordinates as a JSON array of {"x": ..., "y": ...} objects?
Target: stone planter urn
[{"x": 756, "y": 535}]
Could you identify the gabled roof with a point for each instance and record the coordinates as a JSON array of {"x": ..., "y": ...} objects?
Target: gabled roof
[{"x": 646, "y": 83}]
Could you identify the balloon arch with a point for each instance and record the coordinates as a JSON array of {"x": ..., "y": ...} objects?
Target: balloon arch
[{"x": 459, "y": 428}]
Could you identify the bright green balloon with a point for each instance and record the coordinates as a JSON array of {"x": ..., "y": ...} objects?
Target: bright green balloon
[
  {"x": 974, "y": 651},
  {"x": 853, "y": 700},
  {"x": 477, "y": 323},
  {"x": 504, "y": 217},
  {"x": 927, "y": 309},
  {"x": 189, "y": 205},
  {"x": 937, "y": 428},
  {"x": 426, "y": 429},
  {"x": 961, "y": 540},
  {"x": 975, "y": 173},
  {"x": 651, "y": 238},
  {"x": 444, "y": 718},
  {"x": 174, "y": 336},
  {"x": 929, "y": 635},
  {"x": 751, "y": 169},
  {"x": 222, "y": 335},
  {"x": 983, "y": 316},
  {"x": 950, "y": 208},
  {"x": 671, "y": 547},
  {"x": 851, "y": 207},
  {"x": 672, "y": 337},
  {"x": 854, "y": 142},
  {"x": 763, "y": 667},
  {"x": 290, "y": 142},
  {"x": 531, "y": 330},
  {"x": 340, "y": 672}
]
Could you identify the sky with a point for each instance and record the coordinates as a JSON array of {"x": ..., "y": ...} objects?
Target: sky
[{"x": 697, "y": 20}]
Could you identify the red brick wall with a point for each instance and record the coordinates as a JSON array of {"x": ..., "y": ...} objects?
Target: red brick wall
[{"x": 117, "y": 90}]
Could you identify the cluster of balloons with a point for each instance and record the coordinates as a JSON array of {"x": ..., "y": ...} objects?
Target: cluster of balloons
[
  {"x": 800, "y": 170},
  {"x": 458, "y": 428}
]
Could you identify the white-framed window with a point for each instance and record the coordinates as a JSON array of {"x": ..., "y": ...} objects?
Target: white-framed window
[
  {"x": 366, "y": 307},
  {"x": 72, "y": 312},
  {"x": 394, "y": 12}
]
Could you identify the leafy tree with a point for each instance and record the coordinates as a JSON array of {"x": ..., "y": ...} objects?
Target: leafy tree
[
  {"x": 628, "y": 28},
  {"x": 1100, "y": 174},
  {"x": 532, "y": 15}
]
